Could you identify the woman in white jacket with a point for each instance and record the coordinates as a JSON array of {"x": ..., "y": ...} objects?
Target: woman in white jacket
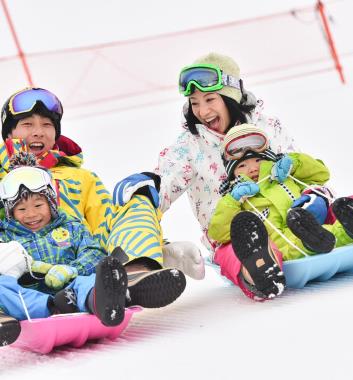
[
  {"x": 216, "y": 102},
  {"x": 193, "y": 164}
]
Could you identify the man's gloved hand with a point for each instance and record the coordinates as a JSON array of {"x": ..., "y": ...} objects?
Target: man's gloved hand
[
  {"x": 59, "y": 275},
  {"x": 14, "y": 259},
  {"x": 281, "y": 169},
  {"x": 144, "y": 183},
  {"x": 244, "y": 190},
  {"x": 185, "y": 256},
  {"x": 315, "y": 204}
]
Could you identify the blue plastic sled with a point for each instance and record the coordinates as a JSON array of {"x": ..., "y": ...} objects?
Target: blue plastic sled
[{"x": 318, "y": 267}]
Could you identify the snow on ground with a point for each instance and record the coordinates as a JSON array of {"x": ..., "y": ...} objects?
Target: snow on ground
[{"x": 213, "y": 331}]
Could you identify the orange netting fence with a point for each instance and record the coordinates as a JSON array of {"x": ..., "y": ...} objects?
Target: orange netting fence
[{"x": 127, "y": 74}]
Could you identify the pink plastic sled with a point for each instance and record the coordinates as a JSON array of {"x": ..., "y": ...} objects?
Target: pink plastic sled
[{"x": 43, "y": 334}]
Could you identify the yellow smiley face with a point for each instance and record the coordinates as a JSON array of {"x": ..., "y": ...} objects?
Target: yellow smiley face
[{"x": 60, "y": 234}]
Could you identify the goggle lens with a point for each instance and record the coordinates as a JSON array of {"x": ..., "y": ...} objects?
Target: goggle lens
[
  {"x": 202, "y": 77},
  {"x": 236, "y": 148},
  {"x": 25, "y": 100},
  {"x": 34, "y": 179}
]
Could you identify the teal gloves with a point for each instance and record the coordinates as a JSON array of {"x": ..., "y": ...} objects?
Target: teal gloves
[
  {"x": 282, "y": 169},
  {"x": 59, "y": 275},
  {"x": 244, "y": 190}
]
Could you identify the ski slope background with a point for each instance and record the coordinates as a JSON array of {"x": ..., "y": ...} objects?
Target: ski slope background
[{"x": 212, "y": 331}]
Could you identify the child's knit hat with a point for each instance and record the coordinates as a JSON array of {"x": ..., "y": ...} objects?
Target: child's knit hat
[{"x": 18, "y": 161}]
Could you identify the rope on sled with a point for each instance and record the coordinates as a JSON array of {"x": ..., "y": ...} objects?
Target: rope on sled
[
  {"x": 275, "y": 228},
  {"x": 315, "y": 190},
  {"x": 311, "y": 187},
  {"x": 24, "y": 306}
]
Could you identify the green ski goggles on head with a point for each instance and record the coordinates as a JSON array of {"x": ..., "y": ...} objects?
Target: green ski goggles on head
[{"x": 206, "y": 78}]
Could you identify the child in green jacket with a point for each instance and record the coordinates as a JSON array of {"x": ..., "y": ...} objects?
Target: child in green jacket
[{"x": 266, "y": 183}]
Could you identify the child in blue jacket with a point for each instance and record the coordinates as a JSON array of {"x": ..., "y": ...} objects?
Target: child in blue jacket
[{"x": 38, "y": 237}]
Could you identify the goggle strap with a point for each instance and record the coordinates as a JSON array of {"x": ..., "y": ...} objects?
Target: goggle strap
[{"x": 230, "y": 81}]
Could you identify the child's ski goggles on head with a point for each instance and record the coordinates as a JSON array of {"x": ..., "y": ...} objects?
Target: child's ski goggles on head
[
  {"x": 25, "y": 100},
  {"x": 34, "y": 179},
  {"x": 206, "y": 78},
  {"x": 240, "y": 139}
]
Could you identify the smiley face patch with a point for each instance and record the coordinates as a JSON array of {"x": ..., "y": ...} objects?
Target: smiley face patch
[{"x": 61, "y": 236}]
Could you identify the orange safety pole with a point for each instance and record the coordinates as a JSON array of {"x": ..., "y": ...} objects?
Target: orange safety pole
[
  {"x": 321, "y": 8},
  {"x": 20, "y": 52}
]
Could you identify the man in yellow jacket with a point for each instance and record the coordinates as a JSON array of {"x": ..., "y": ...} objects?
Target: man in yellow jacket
[{"x": 31, "y": 122}]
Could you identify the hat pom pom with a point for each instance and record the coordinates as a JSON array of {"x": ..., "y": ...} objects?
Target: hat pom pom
[{"x": 22, "y": 159}]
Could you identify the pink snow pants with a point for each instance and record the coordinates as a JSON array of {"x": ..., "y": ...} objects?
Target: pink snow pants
[{"x": 231, "y": 266}]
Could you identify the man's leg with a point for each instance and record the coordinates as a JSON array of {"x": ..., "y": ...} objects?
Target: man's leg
[{"x": 136, "y": 229}]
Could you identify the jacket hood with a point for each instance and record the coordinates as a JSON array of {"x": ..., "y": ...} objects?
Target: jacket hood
[{"x": 19, "y": 230}]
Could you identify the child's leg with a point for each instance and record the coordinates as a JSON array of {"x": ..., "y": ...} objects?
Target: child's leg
[
  {"x": 231, "y": 267},
  {"x": 250, "y": 243},
  {"x": 10, "y": 302},
  {"x": 343, "y": 210},
  {"x": 331, "y": 217},
  {"x": 12, "y": 310},
  {"x": 102, "y": 294},
  {"x": 312, "y": 234}
]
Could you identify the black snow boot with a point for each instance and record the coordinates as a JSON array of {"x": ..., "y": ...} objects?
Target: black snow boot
[
  {"x": 156, "y": 288},
  {"x": 10, "y": 329},
  {"x": 250, "y": 244},
  {"x": 343, "y": 210},
  {"x": 107, "y": 299},
  {"x": 65, "y": 302},
  {"x": 314, "y": 237}
]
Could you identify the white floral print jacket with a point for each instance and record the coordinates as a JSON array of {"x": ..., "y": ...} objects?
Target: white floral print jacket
[{"x": 193, "y": 164}]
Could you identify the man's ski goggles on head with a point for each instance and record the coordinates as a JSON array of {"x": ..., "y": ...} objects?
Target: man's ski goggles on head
[
  {"x": 206, "y": 78},
  {"x": 34, "y": 179},
  {"x": 243, "y": 138},
  {"x": 25, "y": 100}
]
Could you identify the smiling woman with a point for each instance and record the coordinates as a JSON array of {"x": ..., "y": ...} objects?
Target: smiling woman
[
  {"x": 216, "y": 102},
  {"x": 210, "y": 109}
]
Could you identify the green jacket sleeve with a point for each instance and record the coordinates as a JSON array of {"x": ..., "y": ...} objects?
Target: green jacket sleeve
[
  {"x": 219, "y": 226},
  {"x": 309, "y": 169}
]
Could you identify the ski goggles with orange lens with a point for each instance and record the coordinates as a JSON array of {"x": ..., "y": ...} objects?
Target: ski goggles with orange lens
[
  {"x": 241, "y": 139},
  {"x": 25, "y": 100},
  {"x": 34, "y": 179},
  {"x": 206, "y": 78}
]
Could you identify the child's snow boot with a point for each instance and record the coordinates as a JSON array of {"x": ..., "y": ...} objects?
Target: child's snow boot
[
  {"x": 156, "y": 288},
  {"x": 314, "y": 237},
  {"x": 107, "y": 299},
  {"x": 250, "y": 243},
  {"x": 10, "y": 329},
  {"x": 65, "y": 301},
  {"x": 343, "y": 210}
]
